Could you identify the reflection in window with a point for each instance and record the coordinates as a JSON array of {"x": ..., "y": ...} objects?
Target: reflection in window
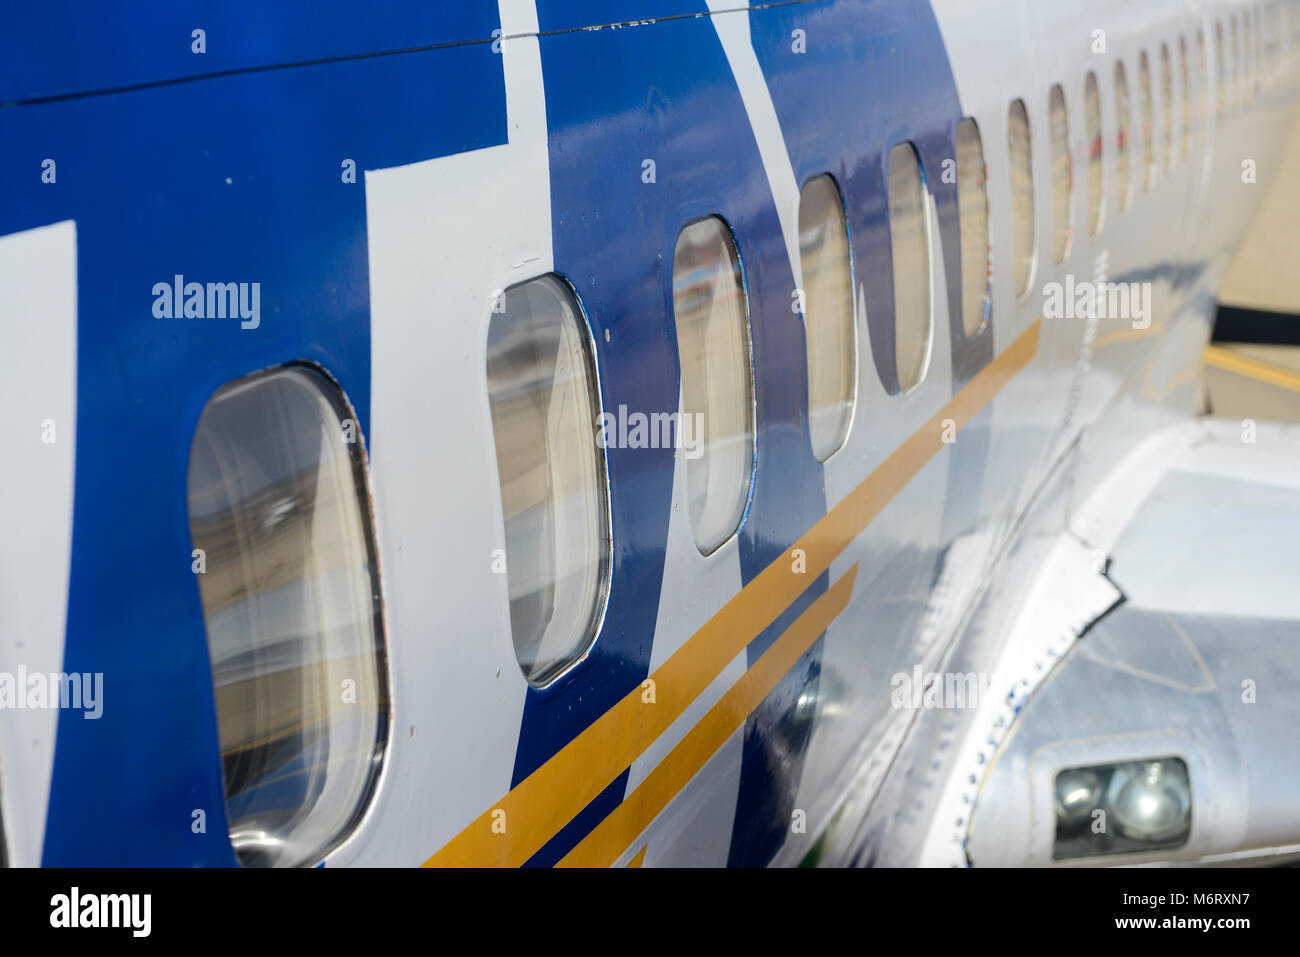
[
  {"x": 1186, "y": 81},
  {"x": 973, "y": 213},
  {"x": 1062, "y": 176},
  {"x": 554, "y": 498},
  {"x": 1166, "y": 108},
  {"x": 910, "y": 244},
  {"x": 277, "y": 502},
  {"x": 827, "y": 269},
  {"x": 1235, "y": 53},
  {"x": 713, "y": 342},
  {"x": 1202, "y": 85},
  {"x": 1096, "y": 151},
  {"x": 1019, "y": 151},
  {"x": 1221, "y": 67},
  {"x": 1123, "y": 171},
  {"x": 1148, "y": 123}
]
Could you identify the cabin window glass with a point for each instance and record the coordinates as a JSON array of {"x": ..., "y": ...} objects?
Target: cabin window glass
[
  {"x": 827, "y": 268},
  {"x": 1020, "y": 156},
  {"x": 717, "y": 387},
  {"x": 1221, "y": 66},
  {"x": 1186, "y": 85},
  {"x": 910, "y": 245},
  {"x": 1166, "y": 108},
  {"x": 1148, "y": 123},
  {"x": 1257, "y": 50},
  {"x": 973, "y": 212},
  {"x": 1123, "y": 120},
  {"x": 545, "y": 410},
  {"x": 1096, "y": 153},
  {"x": 1062, "y": 176},
  {"x": 279, "y": 512},
  {"x": 1235, "y": 53},
  {"x": 1202, "y": 85}
]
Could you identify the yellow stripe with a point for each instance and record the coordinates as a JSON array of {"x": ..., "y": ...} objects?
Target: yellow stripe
[
  {"x": 639, "y": 859},
  {"x": 1230, "y": 361},
  {"x": 1127, "y": 335},
  {"x": 550, "y": 797},
  {"x": 603, "y": 845}
]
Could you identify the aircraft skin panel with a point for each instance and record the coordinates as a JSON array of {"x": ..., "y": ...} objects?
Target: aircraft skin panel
[{"x": 959, "y": 527}]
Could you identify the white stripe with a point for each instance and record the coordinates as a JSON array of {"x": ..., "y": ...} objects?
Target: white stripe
[
  {"x": 733, "y": 31},
  {"x": 443, "y": 234},
  {"x": 38, "y": 382}
]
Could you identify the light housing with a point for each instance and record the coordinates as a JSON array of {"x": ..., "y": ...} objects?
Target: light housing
[{"x": 1122, "y": 808}]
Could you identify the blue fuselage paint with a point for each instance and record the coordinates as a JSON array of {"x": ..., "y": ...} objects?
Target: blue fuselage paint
[
  {"x": 229, "y": 178},
  {"x": 229, "y": 169}
]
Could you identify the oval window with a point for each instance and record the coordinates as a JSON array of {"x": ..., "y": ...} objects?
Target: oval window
[
  {"x": 278, "y": 505},
  {"x": 713, "y": 343},
  {"x": 909, "y": 238},
  {"x": 1148, "y": 123},
  {"x": 1123, "y": 120},
  {"x": 827, "y": 269},
  {"x": 1062, "y": 177},
  {"x": 1020, "y": 155},
  {"x": 1096, "y": 151},
  {"x": 554, "y": 498},
  {"x": 973, "y": 212}
]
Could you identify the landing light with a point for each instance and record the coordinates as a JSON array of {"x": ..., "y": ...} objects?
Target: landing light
[{"x": 1118, "y": 808}]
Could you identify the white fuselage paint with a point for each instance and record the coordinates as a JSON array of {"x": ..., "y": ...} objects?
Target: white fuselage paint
[
  {"x": 38, "y": 391},
  {"x": 443, "y": 235}
]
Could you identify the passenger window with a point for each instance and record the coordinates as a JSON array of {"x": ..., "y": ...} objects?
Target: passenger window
[
  {"x": 1202, "y": 84},
  {"x": 1257, "y": 71},
  {"x": 713, "y": 343},
  {"x": 827, "y": 268},
  {"x": 973, "y": 212},
  {"x": 1186, "y": 81},
  {"x": 1148, "y": 124},
  {"x": 1096, "y": 151},
  {"x": 1123, "y": 173},
  {"x": 1062, "y": 176},
  {"x": 910, "y": 244},
  {"x": 545, "y": 409},
  {"x": 1020, "y": 157},
  {"x": 1236, "y": 66},
  {"x": 1166, "y": 108},
  {"x": 278, "y": 506},
  {"x": 1221, "y": 66}
]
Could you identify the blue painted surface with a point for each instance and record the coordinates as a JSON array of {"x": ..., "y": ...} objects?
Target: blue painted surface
[
  {"x": 63, "y": 47},
  {"x": 145, "y": 173},
  {"x": 232, "y": 178}
]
